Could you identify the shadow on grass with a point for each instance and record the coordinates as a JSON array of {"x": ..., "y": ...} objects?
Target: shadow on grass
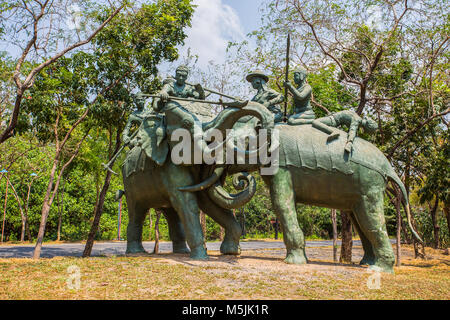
[
  {"x": 233, "y": 260},
  {"x": 426, "y": 264}
]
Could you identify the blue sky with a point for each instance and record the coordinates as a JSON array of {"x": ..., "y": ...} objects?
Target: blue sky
[
  {"x": 215, "y": 23},
  {"x": 247, "y": 11}
]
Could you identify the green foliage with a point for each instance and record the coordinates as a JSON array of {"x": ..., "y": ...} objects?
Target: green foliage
[
  {"x": 122, "y": 58},
  {"x": 401, "y": 92}
]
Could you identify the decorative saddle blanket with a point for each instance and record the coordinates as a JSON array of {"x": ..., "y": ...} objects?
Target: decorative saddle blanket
[{"x": 312, "y": 150}]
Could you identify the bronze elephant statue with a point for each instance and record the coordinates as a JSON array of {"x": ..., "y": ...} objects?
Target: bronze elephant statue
[
  {"x": 152, "y": 180},
  {"x": 315, "y": 171}
]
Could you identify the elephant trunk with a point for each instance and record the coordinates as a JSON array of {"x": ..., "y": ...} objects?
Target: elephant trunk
[
  {"x": 228, "y": 117},
  {"x": 226, "y": 200},
  {"x": 226, "y": 120}
]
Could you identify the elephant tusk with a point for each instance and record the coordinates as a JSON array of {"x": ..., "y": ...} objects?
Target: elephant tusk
[{"x": 206, "y": 183}]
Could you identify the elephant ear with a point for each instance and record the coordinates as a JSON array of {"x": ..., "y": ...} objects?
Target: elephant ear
[{"x": 154, "y": 139}]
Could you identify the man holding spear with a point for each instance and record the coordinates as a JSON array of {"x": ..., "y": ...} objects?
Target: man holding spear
[{"x": 303, "y": 112}]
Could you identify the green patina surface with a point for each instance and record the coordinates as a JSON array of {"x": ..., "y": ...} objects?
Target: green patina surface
[{"x": 316, "y": 167}]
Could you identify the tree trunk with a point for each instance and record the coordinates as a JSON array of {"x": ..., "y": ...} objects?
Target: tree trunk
[
  {"x": 22, "y": 215},
  {"x": 58, "y": 203},
  {"x": 156, "y": 248},
  {"x": 98, "y": 210},
  {"x": 150, "y": 225},
  {"x": 50, "y": 194},
  {"x": 4, "y": 211},
  {"x": 434, "y": 219},
  {"x": 405, "y": 232},
  {"x": 48, "y": 199},
  {"x": 203, "y": 224},
  {"x": 333, "y": 220},
  {"x": 447, "y": 215},
  {"x": 417, "y": 253},
  {"x": 8, "y": 132},
  {"x": 347, "y": 241},
  {"x": 60, "y": 212},
  {"x": 242, "y": 221},
  {"x": 399, "y": 226},
  {"x": 222, "y": 233},
  {"x": 27, "y": 227}
]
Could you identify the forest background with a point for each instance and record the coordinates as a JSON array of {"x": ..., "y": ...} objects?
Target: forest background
[{"x": 66, "y": 96}]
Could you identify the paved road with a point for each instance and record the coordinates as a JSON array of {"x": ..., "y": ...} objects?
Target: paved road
[{"x": 118, "y": 248}]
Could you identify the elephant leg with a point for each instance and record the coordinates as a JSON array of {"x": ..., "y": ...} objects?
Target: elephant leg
[
  {"x": 136, "y": 217},
  {"x": 176, "y": 231},
  {"x": 283, "y": 201},
  {"x": 226, "y": 219},
  {"x": 369, "y": 256},
  {"x": 186, "y": 205},
  {"x": 369, "y": 213}
]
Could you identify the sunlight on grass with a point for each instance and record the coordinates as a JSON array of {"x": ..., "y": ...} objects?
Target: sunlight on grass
[{"x": 255, "y": 275}]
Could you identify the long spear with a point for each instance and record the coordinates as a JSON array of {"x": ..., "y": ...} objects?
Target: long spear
[
  {"x": 288, "y": 45},
  {"x": 237, "y": 104}
]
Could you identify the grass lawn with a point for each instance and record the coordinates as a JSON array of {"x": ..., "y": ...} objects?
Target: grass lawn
[{"x": 254, "y": 275}]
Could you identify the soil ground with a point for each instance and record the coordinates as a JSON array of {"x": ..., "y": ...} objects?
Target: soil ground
[{"x": 255, "y": 274}]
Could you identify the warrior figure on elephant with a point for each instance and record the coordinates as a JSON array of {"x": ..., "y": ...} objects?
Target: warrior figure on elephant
[
  {"x": 348, "y": 118},
  {"x": 181, "y": 118},
  {"x": 135, "y": 119},
  {"x": 265, "y": 95},
  {"x": 303, "y": 112}
]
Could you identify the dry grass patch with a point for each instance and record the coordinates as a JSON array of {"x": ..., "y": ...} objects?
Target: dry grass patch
[{"x": 254, "y": 275}]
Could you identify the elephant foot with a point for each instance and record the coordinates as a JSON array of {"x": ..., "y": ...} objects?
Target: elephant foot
[
  {"x": 199, "y": 253},
  {"x": 383, "y": 265},
  {"x": 230, "y": 248},
  {"x": 367, "y": 261},
  {"x": 180, "y": 247},
  {"x": 134, "y": 247},
  {"x": 296, "y": 257}
]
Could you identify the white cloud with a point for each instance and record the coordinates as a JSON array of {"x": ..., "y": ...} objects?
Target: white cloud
[{"x": 214, "y": 24}]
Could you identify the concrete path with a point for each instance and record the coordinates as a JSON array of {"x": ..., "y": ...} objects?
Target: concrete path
[{"x": 118, "y": 248}]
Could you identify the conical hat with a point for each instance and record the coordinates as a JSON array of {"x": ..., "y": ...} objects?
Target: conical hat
[{"x": 257, "y": 73}]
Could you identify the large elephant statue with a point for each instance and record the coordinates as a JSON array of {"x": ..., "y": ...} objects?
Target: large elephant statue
[
  {"x": 315, "y": 171},
  {"x": 152, "y": 180}
]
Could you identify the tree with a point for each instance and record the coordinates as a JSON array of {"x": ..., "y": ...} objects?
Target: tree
[
  {"x": 40, "y": 23},
  {"x": 61, "y": 88},
  {"x": 435, "y": 179},
  {"x": 384, "y": 59}
]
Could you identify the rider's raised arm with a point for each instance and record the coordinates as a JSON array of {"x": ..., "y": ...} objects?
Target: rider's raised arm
[{"x": 301, "y": 94}]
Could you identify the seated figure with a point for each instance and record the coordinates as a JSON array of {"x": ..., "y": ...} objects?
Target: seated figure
[
  {"x": 178, "y": 88},
  {"x": 303, "y": 112},
  {"x": 135, "y": 118},
  {"x": 266, "y": 96},
  {"x": 348, "y": 118}
]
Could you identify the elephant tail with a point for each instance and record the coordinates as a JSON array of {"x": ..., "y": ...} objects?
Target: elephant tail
[{"x": 393, "y": 176}]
